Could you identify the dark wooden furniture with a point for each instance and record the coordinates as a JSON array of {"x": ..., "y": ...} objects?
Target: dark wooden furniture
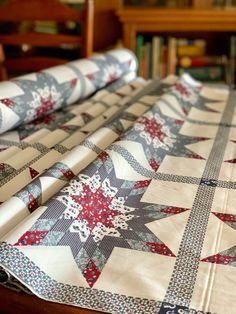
[
  {"x": 107, "y": 28},
  {"x": 17, "y": 11},
  {"x": 154, "y": 20},
  {"x": 12, "y": 302}
]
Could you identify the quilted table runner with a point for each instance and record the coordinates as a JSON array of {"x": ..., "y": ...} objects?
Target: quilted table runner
[{"x": 137, "y": 214}]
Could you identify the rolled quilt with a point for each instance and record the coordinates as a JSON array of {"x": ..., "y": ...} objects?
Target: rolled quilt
[{"x": 32, "y": 96}]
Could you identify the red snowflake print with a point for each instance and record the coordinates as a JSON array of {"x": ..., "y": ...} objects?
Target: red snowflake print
[
  {"x": 112, "y": 77},
  {"x": 103, "y": 156},
  {"x": 182, "y": 89},
  {"x": 226, "y": 217},
  {"x": 220, "y": 259},
  {"x": 44, "y": 100},
  {"x": 185, "y": 111},
  {"x": 90, "y": 77},
  {"x": 154, "y": 164},
  {"x": 153, "y": 128},
  {"x": 179, "y": 122},
  {"x": 159, "y": 248},
  {"x": 231, "y": 161},
  {"x": 33, "y": 203},
  {"x": 33, "y": 173},
  {"x": 91, "y": 273},
  {"x": 173, "y": 210},
  {"x": 111, "y": 73},
  {"x": 185, "y": 92},
  {"x": 142, "y": 184},
  {"x": 47, "y": 104},
  {"x": 44, "y": 120},
  {"x": 96, "y": 208},
  {"x": 31, "y": 238},
  {"x": 8, "y": 102},
  {"x": 73, "y": 83},
  {"x": 68, "y": 174}
]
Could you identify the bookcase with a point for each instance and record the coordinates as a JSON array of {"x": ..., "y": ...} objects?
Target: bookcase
[{"x": 216, "y": 25}]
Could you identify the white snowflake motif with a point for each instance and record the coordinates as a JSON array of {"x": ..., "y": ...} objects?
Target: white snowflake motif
[
  {"x": 44, "y": 100},
  {"x": 153, "y": 129},
  {"x": 111, "y": 73},
  {"x": 73, "y": 188},
  {"x": 96, "y": 210},
  {"x": 72, "y": 208}
]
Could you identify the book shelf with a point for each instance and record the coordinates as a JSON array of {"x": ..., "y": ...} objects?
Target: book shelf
[
  {"x": 186, "y": 22},
  {"x": 146, "y": 20}
]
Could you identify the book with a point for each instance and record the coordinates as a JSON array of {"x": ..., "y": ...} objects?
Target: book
[
  {"x": 139, "y": 50},
  {"x": 191, "y": 51},
  {"x": 178, "y": 3},
  {"x": 157, "y": 42},
  {"x": 145, "y": 60},
  {"x": 164, "y": 57},
  {"x": 171, "y": 55},
  {"x": 171, "y": 4},
  {"x": 48, "y": 27},
  {"x": 209, "y": 73},
  {"x": 230, "y": 4},
  {"x": 191, "y": 42},
  {"x": 191, "y": 47},
  {"x": 142, "y": 66},
  {"x": 218, "y": 3},
  {"x": 202, "y": 4},
  {"x": 148, "y": 63},
  {"x": 200, "y": 61}
]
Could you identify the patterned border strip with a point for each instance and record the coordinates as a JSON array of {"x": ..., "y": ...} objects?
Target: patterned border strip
[
  {"x": 9, "y": 143},
  {"x": 185, "y": 271},
  {"x": 47, "y": 288},
  {"x": 92, "y": 146},
  {"x": 168, "y": 308},
  {"x": 42, "y": 285},
  {"x": 226, "y": 184}
]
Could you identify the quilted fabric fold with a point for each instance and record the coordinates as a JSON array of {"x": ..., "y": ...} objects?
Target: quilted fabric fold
[
  {"x": 79, "y": 148},
  {"x": 145, "y": 225},
  {"x": 123, "y": 202}
]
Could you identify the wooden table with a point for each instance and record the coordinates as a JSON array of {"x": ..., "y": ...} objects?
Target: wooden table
[{"x": 12, "y": 302}]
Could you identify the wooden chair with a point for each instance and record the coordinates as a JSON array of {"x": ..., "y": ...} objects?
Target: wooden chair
[{"x": 15, "y": 12}]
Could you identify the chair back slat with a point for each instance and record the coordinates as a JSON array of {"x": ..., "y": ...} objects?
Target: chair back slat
[
  {"x": 31, "y": 43},
  {"x": 33, "y": 63},
  {"x": 43, "y": 10},
  {"x": 40, "y": 40}
]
